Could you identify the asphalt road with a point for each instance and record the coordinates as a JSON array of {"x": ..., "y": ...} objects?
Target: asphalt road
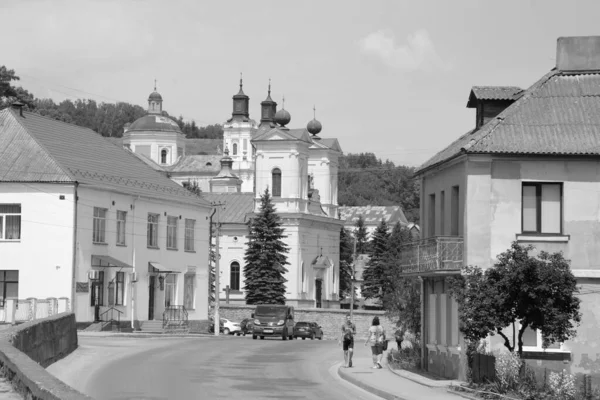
[{"x": 206, "y": 368}]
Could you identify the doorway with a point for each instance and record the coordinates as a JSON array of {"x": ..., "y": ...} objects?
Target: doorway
[
  {"x": 151, "y": 287},
  {"x": 318, "y": 292}
]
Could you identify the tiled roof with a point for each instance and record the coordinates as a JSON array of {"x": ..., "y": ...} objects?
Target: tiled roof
[
  {"x": 559, "y": 114},
  {"x": 210, "y": 163},
  {"x": 237, "y": 205},
  {"x": 284, "y": 134},
  {"x": 333, "y": 144},
  {"x": 493, "y": 93},
  {"x": 40, "y": 149},
  {"x": 203, "y": 146},
  {"x": 372, "y": 215}
]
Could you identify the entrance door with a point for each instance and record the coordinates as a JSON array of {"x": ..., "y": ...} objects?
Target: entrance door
[
  {"x": 318, "y": 291},
  {"x": 151, "y": 287}
]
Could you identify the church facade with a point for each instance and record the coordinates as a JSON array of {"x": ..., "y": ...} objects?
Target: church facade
[{"x": 299, "y": 168}]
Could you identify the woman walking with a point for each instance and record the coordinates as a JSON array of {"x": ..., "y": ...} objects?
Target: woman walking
[{"x": 375, "y": 338}]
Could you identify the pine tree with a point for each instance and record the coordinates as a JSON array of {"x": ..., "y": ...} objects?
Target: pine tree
[
  {"x": 346, "y": 253},
  {"x": 360, "y": 235},
  {"x": 265, "y": 257},
  {"x": 374, "y": 275}
]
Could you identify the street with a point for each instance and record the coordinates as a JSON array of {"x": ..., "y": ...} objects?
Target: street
[{"x": 121, "y": 368}]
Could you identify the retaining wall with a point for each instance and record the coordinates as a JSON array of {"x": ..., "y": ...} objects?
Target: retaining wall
[
  {"x": 25, "y": 351},
  {"x": 330, "y": 320}
]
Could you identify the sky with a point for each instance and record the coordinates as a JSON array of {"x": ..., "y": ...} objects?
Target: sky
[{"x": 388, "y": 77}]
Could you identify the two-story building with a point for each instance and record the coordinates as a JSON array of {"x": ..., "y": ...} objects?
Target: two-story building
[
  {"x": 85, "y": 220},
  {"x": 529, "y": 171}
]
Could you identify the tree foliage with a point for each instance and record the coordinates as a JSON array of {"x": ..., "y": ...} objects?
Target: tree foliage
[
  {"x": 539, "y": 292},
  {"x": 265, "y": 256},
  {"x": 10, "y": 93},
  {"x": 361, "y": 236},
  {"x": 365, "y": 180},
  {"x": 374, "y": 275},
  {"x": 346, "y": 260}
]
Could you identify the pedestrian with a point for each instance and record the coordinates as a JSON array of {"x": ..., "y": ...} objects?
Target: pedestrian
[
  {"x": 399, "y": 335},
  {"x": 375, "y": 338},
  {"x": 347, "y": 340}
]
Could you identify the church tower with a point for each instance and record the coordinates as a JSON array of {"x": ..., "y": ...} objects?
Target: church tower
[
  {"x": 268, "y": 108},
  {"x": 155, "y": 102}
]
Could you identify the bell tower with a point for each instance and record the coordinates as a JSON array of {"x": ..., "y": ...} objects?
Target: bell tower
[
  {"x": 240, "y": 104},
  {"x": 155, "y": 102}
]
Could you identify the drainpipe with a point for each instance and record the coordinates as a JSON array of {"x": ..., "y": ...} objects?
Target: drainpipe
[
  {"x": 74, "y": 269},
  {"x": 133, "y": 265}
]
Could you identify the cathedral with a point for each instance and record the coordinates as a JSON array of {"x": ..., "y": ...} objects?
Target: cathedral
[{"x": 300, "y": 169}]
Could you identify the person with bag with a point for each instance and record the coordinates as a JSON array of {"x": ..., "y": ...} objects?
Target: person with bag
[{"x": 376, "y": 338}]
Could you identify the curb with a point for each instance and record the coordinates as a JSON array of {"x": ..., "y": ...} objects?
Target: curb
[
  {"x": 144, "y": 335},
  {"x": 422, "y": 380},
  {"x": 378, "y": 392}
]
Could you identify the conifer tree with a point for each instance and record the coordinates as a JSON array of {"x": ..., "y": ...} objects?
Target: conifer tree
[
  {"x": 374, "y": 275},
  {"x": 360, "y": 235},
  {"x": 346, "y": 250},
  {"x": 265, "y": 257}
]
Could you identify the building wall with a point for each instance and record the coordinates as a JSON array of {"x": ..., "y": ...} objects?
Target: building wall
[
  {"x": 323, "y": 166},
  {"x": 139, "y": 142},
  {"x": 137, "y": 253},
  {"x": 44, "y": 254}
]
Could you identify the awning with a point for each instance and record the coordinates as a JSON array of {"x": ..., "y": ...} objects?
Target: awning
[
  {"x": 157, "y": 268},
  {"x": 108, "y": 261}
]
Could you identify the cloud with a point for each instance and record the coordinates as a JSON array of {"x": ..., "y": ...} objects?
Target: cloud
[{"x": 417, "y": 54}]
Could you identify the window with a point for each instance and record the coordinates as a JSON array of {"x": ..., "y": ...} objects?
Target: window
[
  {"x": 163, "y": 156},
  {"x": 9, "y": 285},
  {"x": 10, "y": 221},
  {"x": 235, "y": 149},
  {"x": 121, "y": 223},
  {"x": 172, "y": 233},
  {"x": 189, "y": 234},
  {"x": 152, "y": 230},
  {"x": 454, "y": 208},
  {"x": 431, "y": 216},
  {"x": 189, "y": 280},
  {"x": 120, "y": 294},
  {"x": 542, "y": 208},
  {"x": 276, "y": 174},
  {"x": 170, "y": 286},
  {"x": 99, "y": 234},
  {"x": 442, "y": 213},
  {"x": 234, "y": 276}
]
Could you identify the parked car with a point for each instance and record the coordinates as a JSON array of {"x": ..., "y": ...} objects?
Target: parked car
[
  {"x": 230, "y": 327},
  {"x": 247, "y": 324},
  {"x": 211, "y": 325},
  {"x": 308, "y": 329}
]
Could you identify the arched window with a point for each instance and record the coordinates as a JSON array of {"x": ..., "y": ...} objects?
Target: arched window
[
  {"x": 234, "y": 276},
  {"x": 276, "y": 174},
  {"x": 235, "y": 149},
  {"x": 163, "y": 156}
]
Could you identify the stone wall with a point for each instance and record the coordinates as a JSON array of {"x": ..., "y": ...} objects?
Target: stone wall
[
  {"x": 330, "y": 320},
  {"x": 25, "y": 350}
]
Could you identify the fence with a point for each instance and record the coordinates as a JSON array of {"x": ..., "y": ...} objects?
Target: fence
[
  {"x": 483, "y": 368},
  {"x": 19, "y": 310}
]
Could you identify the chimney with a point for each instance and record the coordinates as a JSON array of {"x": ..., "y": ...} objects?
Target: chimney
[
  {"x": 17, "y": 105},
  {"x": 578, "y": 53}
]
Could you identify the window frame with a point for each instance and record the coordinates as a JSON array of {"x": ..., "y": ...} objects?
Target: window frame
[
  {"x": 121, "y": 228},
  {"x": 538, "y": 205},
  {"x": 236, "y": 276},
  {"x": 164, "y": 154},
  {"x": 152, "y": 230},
  {"x": 120, "y": 288},
  {"x": 189, "y": 236},
  {"x": 189, "y": 291},
  {"x": 172, "y": 232},
  {"x": 99, "y": 226},
  {"x": 4, "y": 222},
  {"x": 4, "y": 282},
  {"x": 276, "y": 183}
]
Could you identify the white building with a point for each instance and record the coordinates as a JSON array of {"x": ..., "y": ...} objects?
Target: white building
[{"x": 87, "y": 221}]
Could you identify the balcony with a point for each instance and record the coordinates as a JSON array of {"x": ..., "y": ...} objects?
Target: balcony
[{"x": 431, "y": 256}]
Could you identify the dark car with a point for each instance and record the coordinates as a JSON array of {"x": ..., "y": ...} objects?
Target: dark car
[
  {"x": 311, "y": 330},
  {"x": 211, "y": 325},
  {"x": 246, "y": 325}
]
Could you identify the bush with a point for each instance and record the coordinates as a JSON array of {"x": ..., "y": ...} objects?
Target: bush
[
  {"x": 562, "y": 385},
  {"x": 508, "y": 366}
]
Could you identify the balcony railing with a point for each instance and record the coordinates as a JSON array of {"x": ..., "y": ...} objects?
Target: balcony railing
[{"x": 438, "y": 253}]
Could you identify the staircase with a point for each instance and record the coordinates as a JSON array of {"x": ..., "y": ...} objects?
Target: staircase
[{"x": 152, "y": 326}]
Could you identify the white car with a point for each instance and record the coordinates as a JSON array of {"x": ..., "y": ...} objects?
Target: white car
[{"x": 230, "y": 327}]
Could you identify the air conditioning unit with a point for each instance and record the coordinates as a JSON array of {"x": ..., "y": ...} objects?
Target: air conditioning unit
[
  {"x": 133, "y": 276},
  {"x": 94, "y": 274}
]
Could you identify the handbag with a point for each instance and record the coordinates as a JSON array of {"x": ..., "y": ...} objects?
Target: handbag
[{"x": 385, "y": 344}]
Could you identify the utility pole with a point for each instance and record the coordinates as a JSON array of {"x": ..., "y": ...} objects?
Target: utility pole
[{"x": 217, "y": 318}]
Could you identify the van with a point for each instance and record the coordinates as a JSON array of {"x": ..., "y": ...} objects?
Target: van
[{"x": 273, "y": 320}]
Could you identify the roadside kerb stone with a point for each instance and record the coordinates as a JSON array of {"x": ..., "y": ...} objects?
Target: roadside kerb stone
[{"x": 371, "y": 389}]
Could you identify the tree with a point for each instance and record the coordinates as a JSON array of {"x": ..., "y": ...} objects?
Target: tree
[
  {"x": 374, "y": 275},
  {"x": 360, "y": 235},
  {"x": 346, "y": 260},
  {"x": 539, "y": 292},
  {"x": 402, "y": 294},
  {"x": 9, "y": 93},
  {"x": 265, "y": 256}
]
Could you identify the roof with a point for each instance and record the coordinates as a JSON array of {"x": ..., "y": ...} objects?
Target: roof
[
  {"x": 493, "y": 93},
  {"x": 237, "y": 205},
  {"x": 155, "y": 96},
  {"x": 209, "y": 163},
  {"x": 203, "y": 146},
  {"x": 372, "y": 215},
  {"x": 34, "y": 148},
  {"x": 558, "y": 115},
  {"x": 153, "y": 122},
  {"x": 282, "y": 134}
]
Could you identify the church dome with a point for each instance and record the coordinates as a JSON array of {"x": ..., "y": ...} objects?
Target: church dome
[
  {"x": 314, "y": 127},
  {"x": 153, "y": 122},
  {"x": 155, "y": 96},
  {"x": 282, "y": 117}
]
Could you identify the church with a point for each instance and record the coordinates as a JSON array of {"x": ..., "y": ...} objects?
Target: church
[{"x": 300, "y": 169}]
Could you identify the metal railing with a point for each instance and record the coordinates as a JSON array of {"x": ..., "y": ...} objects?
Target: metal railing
[
  {"x": 438, "y": 253},
  {"x": 104, "y": 317},
  {"x": 175, "y": 317}
]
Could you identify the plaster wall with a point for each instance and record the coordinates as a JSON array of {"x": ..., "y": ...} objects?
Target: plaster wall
[
  {"x": 323, "y": 166},
  {"x": 157, "y": 141}
]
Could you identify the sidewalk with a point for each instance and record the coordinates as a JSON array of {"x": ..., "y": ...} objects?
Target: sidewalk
[{"x": 392, "y": 385}]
